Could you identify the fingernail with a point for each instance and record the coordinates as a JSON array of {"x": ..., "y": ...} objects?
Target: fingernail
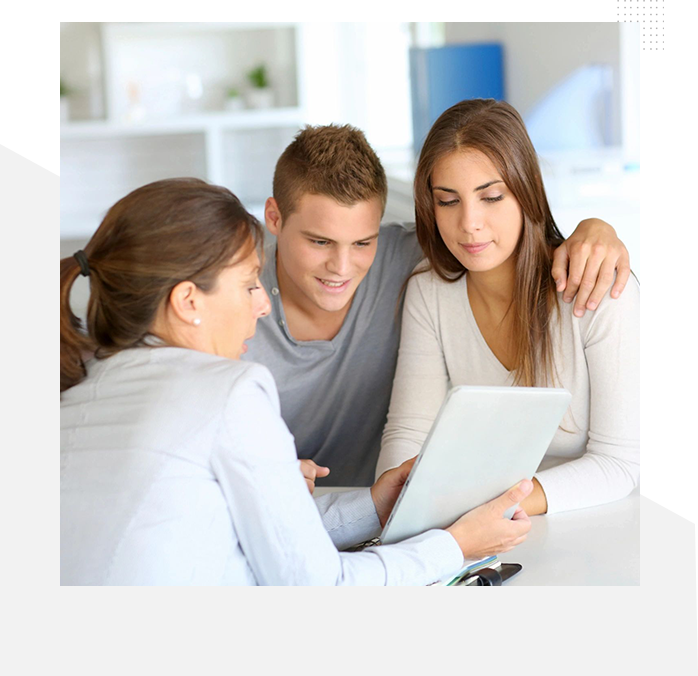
[
  {"x": 591, "y": 305},
  {"x": 578, "y": 312}
]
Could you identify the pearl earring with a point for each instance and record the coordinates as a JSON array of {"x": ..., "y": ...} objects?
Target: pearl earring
[{"x": 196, "y": 321}]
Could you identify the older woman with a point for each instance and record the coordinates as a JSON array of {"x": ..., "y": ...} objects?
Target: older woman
[
  {"x": 176, "y": 467},
  {"x": 484, "y": 311}
]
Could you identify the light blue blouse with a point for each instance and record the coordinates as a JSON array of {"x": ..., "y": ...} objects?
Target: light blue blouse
[{"x": 177, "y": 469}]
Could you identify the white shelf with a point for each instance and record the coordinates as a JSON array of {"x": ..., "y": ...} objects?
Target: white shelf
[
  {"x": 148, "y": 29},
  {"x": 185, "y": 124},
  {"x": 174, "y": 77}
]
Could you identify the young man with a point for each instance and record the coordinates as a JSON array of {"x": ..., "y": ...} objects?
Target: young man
[{"x": 335, "y": 286}]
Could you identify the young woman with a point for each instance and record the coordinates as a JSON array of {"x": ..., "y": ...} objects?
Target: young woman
[
  {"x": 176, "y": 467},
  {"x": 483, "y": 310}
]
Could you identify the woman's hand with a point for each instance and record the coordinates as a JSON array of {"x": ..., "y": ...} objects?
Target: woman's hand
[
  {"x": 386, "y": 490},
  {"x": 536, "y": 502},
  {"x": 484, "y": 531},
  {"x": 593, "y": 252},
  {"x": 311, "y": 471}
]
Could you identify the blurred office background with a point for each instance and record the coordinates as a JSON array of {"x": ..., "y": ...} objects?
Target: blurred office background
[{"x": 220, "y": 101}]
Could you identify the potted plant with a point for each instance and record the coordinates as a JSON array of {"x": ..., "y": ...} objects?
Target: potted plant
[
  {"x": 233, "y": 99},
  {"x": 261, "y": 95},
  {"x": 65, "y": 102}
]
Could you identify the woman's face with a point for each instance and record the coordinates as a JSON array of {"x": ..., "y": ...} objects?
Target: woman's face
[
  {"x": 230, "y": 312},
  {"x": 478, "y": 217}
]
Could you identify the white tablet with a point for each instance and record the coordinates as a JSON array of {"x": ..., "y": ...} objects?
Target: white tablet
[{"x": 483, "y": 441}]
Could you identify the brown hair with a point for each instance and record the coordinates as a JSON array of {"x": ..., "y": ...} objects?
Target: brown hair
[
  {"x": 497, "y": 130},
  {"x": 151, "y": 240},
  {"x": 336, "y": 161}
]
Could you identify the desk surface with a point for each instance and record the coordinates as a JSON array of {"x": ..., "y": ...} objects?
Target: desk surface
[{"x": 593, "y": 546}]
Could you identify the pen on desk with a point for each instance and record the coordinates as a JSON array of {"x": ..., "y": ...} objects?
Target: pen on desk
[{"x": 490, "y": 577}]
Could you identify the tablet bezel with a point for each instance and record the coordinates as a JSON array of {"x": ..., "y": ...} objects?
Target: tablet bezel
[{"x": 504, "y": 432}]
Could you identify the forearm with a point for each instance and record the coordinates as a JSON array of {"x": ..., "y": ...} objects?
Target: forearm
[
  {"x": 610, "y": 466},
  {"x": 588, "y": 481},
  {"x": 420, "y": 384},
  {"x": 420, "y": 560},
  {"x": 398, "y": 446}
]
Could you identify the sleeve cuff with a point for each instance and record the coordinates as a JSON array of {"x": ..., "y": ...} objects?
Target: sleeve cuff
[
  {"x": 423, "y": 559},
  {"x": 349, "y": 517}
]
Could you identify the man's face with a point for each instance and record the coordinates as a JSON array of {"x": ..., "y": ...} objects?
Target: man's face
[{"x": 325, "y": 249}]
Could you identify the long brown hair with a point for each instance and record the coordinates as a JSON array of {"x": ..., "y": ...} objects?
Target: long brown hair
[
  {"x": 157, "y": 236},
  {"x": 497, "y": 130}
]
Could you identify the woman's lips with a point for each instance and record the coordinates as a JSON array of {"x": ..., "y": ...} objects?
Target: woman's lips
[
  {"x": 476, "y": 248},
  {"x": 244, "y": 345},
  {"x": 331, "y": 286}
]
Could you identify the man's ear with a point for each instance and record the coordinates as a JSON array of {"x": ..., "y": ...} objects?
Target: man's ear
[
  {"x": 185, "y": 301},
  {"x": 272, "y": 216}
]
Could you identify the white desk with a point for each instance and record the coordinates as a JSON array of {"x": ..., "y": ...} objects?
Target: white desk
[{"x": 593, "y": 546}]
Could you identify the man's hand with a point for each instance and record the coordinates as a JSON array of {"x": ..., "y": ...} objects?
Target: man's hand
[
  {"x": 593, "y": 252},
  {"x": 311, "y": 471},
  {"x": 386, "y": 490}
]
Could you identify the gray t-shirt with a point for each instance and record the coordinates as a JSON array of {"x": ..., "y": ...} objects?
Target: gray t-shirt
[{"x": 335, "y": 393}]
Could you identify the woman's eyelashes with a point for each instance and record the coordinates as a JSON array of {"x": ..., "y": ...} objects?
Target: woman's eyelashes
[{"x": 450, "y": 203}]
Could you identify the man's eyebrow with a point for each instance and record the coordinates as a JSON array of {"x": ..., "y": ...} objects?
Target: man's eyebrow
[
  {"x": 480, "y": 187},
  {"x": 312, "y": 235}
]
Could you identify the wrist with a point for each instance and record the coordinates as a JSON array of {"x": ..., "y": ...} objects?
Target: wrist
[
  {"x": 595, "y": 223},
  {"x": 536, "y": 502},
  {"x": 376, "y": 505}
]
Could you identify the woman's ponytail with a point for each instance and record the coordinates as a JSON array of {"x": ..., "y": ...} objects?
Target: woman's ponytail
[
  {"x": 75, "y": 345},
  {"x": 157, "y": 236}
]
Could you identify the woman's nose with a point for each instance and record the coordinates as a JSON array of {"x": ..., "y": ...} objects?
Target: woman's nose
[
  {"x": 470, "y": 226},
  {"x": 263, "y": 307},
  {"x": 470, "y": 221}
]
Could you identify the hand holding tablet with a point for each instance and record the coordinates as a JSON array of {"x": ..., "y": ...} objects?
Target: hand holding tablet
[
  {"x": 484, "y": 531},
  {"x": 484, "y": 441}
]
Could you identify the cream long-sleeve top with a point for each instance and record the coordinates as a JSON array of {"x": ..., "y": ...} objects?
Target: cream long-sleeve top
[
  {"x": 177, "y": 469},
  {"x": 594, "y": 456}
]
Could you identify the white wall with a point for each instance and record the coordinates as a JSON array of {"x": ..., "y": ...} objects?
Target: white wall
[
  {"x": 630, "y": 49},
  {"x": 81, "y": 68},
  {"x": 358, "y": 73},
  {"x": 539, "y": 55}
]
